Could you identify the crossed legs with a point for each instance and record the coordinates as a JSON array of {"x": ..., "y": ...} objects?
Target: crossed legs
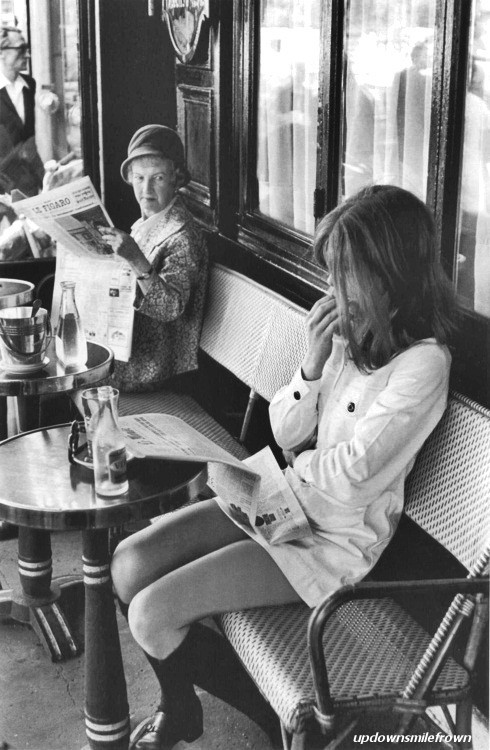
[{"x": 188, "y": 565}]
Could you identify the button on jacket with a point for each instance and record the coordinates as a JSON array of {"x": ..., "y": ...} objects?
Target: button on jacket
[{"x": 356, "y": 436}]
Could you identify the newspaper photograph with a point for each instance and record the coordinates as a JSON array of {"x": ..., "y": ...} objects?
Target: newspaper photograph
[
  {"x": 254, "y": 492},
  {"x": 72, "y": 215},
  {"x": 269, "y": 508}
]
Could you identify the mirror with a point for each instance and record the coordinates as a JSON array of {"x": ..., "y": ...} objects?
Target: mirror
[{"x": 40, "y": 115}]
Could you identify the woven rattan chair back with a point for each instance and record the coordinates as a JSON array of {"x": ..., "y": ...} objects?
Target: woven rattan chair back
[
  {"x": 256, "y": 334},
  {"x": 235, "y": 322},
  {"x": 448, "y": 490}
]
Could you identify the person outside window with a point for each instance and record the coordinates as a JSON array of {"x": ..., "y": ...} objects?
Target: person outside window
[{"x": 19, "y": 158}]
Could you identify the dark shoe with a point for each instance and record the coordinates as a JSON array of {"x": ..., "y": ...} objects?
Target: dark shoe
[
  {"x": 163, "y": 732},
  {"x": 8, "y": 531}
]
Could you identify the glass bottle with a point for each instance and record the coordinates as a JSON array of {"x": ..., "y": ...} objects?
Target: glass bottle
[
  {"x": 108, "y": 446},
  {"x": 71, "y": 344}
]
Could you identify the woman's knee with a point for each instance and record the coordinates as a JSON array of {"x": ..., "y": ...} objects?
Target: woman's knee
[
  {"x": 126, "y": 568},
  {"x": 154, "y": 620}
]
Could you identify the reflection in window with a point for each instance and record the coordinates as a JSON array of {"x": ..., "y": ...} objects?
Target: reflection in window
[
  {"x": 473, "y": 267},
  {"x": 287, "y": 111},
  {"x": 39, "y": 114},
  {"x": 387, "y": 93}
]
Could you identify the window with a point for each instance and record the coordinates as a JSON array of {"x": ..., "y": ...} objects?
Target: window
[
  {"x": 41, "y": 148},
  {"x": 338, "y": 94},
  {"x": 473, "y": 260},
  {"x": 387, "y": 77},
  {"x": 287, "y": 111}
]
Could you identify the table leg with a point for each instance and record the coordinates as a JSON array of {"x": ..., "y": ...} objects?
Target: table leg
[
  {"x": 106, "y": 702},
  {"x": 39, "y": 602},
  {"x": 28, "y": 412},
  {"x": 3, "y": 418}
]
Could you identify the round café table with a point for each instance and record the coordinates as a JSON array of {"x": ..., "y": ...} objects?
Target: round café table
[
  {"x": 53, "y": 378},
  {"x": 41, "y": 490},
  {"x": 34, "y": 544}
]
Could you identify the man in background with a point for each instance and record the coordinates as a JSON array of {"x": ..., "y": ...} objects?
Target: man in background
[{"x": 19, "y": 158}]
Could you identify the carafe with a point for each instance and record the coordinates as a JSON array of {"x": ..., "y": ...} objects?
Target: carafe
[
  {"x": 108, "y": 446},
  {"x": 71, "y": 344}
]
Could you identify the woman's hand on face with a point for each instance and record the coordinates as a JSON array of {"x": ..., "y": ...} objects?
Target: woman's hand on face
[
  {"x": 321, "y": 323},
  {"x": 124, "y": 246}
]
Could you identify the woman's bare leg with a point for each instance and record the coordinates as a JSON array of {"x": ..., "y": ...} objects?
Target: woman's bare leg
[
  {"x": 175, "y": 540},
  {"x": 238, "y": 576}
]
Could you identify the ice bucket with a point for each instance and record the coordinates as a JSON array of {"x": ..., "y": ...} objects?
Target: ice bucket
[
  {"x": 14, "y": 292},
  {"x": 23, "y": 339}
]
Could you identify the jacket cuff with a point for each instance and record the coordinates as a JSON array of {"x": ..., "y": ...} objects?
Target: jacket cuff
[{"x": 299, "y": 387}]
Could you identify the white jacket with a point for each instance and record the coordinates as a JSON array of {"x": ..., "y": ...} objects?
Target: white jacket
[{"x": 362, "y": 433}]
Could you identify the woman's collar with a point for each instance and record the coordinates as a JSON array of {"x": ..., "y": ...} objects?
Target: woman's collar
[{"x": 151, "y": 220}]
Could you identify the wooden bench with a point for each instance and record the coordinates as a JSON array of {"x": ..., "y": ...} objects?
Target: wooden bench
[{"x": 360, "y": 651}]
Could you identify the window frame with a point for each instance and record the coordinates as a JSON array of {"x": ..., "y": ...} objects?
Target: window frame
[
  {"x": 259, "y": 233},
  {"x": 289, "y": 249}
]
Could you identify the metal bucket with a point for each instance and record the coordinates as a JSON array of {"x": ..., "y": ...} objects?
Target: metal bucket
[
  {"x": 23, "y": 339},
  {"x": 14, "y": 292}
]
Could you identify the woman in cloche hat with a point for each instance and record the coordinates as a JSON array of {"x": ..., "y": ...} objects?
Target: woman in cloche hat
[{"x": 168, "y": 254}]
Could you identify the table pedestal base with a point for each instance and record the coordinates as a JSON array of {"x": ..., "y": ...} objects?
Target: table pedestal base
[{"x": 46, "y": 616}]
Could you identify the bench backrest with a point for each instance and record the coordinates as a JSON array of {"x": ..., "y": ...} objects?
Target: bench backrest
[
  {"x": 255, "y": 333},
  {"x": 448, "y": 491}
]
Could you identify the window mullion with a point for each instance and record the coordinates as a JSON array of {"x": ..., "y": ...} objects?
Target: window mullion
[
  {"x": 330, "y": 114},
  {"x": 448, "y": 109}
]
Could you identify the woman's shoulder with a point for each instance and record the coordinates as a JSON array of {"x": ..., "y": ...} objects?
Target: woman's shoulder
[{"x": 425, "y": 355}]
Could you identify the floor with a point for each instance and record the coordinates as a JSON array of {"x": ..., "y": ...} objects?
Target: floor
[{"x": 41, "y": 702}]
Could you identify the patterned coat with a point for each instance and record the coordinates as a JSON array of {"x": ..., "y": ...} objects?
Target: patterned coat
[{"x": 168, "y": 317}]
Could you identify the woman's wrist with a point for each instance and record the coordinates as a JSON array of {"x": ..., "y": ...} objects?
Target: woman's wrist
[{"x": 311, "y": 371}]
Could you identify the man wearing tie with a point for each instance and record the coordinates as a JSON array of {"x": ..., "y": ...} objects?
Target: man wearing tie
[{"x": 19, "y": 159}]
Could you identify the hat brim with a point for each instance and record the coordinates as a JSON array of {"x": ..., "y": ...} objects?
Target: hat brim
[{"x": 148, "y": 151}]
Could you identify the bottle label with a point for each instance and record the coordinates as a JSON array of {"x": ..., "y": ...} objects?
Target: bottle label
[{"x": 116, "y": 463}]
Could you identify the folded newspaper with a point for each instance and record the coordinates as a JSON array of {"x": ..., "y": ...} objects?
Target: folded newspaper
[
  {"x": 254, "y": 491},
  {"x": 72, "y": 215}
]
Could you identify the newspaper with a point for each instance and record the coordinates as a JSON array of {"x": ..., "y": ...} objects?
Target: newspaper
[
  {"x": 72, "y": 215},
  {"x": 269, "y": 509},
  {"x": 254, "y": 491},
  {"x": 104, "y": 293},
  {"x": 105, "y": 284}
]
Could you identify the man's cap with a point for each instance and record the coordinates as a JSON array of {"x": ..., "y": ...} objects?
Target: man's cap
[
  {"x": 156, "y": 140},
  {"x": 5, "y": 32}
]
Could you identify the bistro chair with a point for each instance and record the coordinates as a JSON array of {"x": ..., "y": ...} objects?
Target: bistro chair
[{"x": 360, "y": 651}]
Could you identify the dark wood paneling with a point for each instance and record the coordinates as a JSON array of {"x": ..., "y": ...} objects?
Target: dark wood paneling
[
  {"x": 198, "y": 119},
  {"x": 137, "y": 71},
  {"x": 195, "y": 126}
]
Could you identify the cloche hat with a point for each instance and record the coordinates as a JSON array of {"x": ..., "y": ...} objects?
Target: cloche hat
[{"x": 156, "y": 140}]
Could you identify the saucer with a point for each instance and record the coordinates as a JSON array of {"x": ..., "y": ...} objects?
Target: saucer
[
  {"x": 12, "y": 369},
  {"x": 83, "y": 460}
]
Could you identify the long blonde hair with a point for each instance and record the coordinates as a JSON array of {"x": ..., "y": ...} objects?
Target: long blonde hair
[{"x": 382, "y": 241}]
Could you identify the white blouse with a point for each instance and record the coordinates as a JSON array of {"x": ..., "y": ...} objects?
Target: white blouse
[{"x": 357, "y": 436}]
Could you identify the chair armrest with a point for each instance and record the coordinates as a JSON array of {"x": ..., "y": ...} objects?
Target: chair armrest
[{"x": 368, "y": 590}]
